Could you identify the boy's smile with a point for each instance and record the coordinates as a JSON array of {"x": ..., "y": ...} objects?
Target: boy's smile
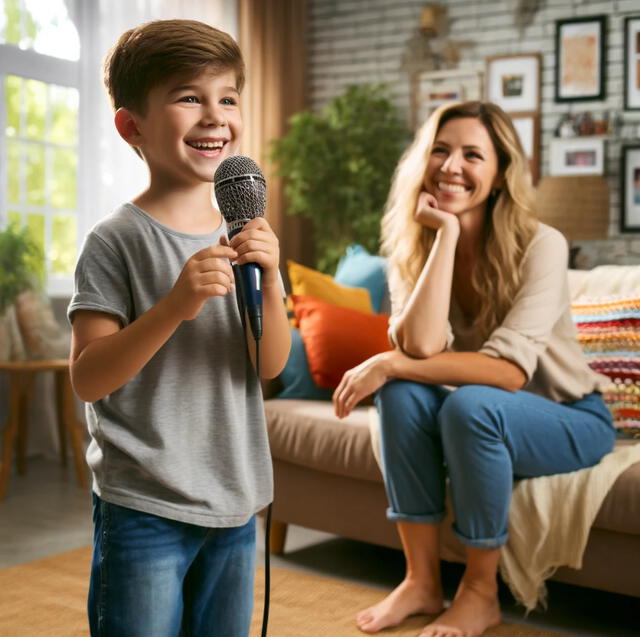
[{"x": 190, "y": 127}]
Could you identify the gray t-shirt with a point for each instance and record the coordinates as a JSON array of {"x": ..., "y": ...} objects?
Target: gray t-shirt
[{"x": 185, "y": 438}]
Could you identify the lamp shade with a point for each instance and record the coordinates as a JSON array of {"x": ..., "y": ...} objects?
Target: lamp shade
[{"x": 577, "y": 206}]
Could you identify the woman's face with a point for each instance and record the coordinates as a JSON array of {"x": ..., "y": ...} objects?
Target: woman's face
[{"x": 463, "y": 166}]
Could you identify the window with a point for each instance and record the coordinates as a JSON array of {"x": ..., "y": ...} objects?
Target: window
[{"x": 39, "y": 102}]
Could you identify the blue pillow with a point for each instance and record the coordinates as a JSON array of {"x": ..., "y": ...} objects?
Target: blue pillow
[
  {"x": 296, "y": 378},
  {"x": 359, "y": 269}
]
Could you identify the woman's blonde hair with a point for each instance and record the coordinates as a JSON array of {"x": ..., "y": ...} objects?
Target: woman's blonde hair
[{"x": 510, "y": 219}]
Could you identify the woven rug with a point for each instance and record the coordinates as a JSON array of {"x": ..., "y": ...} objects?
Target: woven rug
[{"x": 47, "y": 598}]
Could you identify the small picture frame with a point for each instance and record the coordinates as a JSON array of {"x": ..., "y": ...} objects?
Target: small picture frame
[
  {"x": 632, "y": 63},
  {"x": 434, "y": 88},
  {"x": 580, "y": 67},
  {"x": 576, "y": 156},
  {"x": 630, "y": 193},
  {"x": 513, "y": 82},
  {"x": 527, "y": 126}
]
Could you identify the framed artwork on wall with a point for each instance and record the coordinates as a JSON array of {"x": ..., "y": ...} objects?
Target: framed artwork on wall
[
  {"x": 630, "y": 193},
  {"x": 527, "y": 126},
  {"x": 434, "y": 88},
  {"x": 580, "y": 59},
  {"x": 632, "y": 63},
  {"x": 513, "y": 82},
  {"x": 577, "y": 156}
]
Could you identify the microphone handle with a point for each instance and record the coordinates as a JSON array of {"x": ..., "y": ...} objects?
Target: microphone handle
[{"x": 250, "y": 287}]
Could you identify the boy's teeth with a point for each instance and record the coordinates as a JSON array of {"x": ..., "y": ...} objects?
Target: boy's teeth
[
  {"x": 451, "y": 187},
  {"x": 205, "y": 145}
]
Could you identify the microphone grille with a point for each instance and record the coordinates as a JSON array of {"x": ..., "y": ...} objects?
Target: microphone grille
[{"x": 240, "y": 189}]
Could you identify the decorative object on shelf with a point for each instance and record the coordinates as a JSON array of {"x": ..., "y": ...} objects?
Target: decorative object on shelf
[
  {"x": 580, "y": 59},
  {"x": 527, "y": 126},
  {"x": 577, "y": 206},
  {"x": 632, "y": 63},
  {"x": 585, "y": 124},
  {"x": 338, "y": 165},
  {"x": 513, "y": 82},
  {"x": 21, "y": 268},
  {"x": 576, "y": 156},
  {"x": 630, "y": 193},
  {"x": 439, "y": 87}
]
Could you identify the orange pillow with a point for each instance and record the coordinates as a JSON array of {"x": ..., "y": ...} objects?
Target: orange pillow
[{"x": 337, "y": 338}]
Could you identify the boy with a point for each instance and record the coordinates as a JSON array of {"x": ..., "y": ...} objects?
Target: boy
[{"x": 179, "y": 449}]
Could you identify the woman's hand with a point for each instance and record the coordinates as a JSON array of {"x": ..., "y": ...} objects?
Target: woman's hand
[
  {"x": 359, "y": 382},
  {"x": 429, "y": 215}
]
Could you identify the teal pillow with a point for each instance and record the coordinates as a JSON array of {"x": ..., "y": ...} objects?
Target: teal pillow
[
  {"x": 296, "y": 378},
  {"x": 359, "y": 269}
]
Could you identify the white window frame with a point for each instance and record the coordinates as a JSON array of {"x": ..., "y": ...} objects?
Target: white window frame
[{"x": 29, "y": 64}]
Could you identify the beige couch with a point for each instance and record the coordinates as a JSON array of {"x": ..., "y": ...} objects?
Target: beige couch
[{"x": 326, "y": 477}]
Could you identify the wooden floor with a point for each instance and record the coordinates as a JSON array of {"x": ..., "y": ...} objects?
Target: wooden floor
[{"x": 45, "y": 513}]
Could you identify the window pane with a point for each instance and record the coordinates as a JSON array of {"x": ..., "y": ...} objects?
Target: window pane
[
  {"x": 36, "y": 103},
  {"x": 12, "y": 92},
  {"x": 64, "y": 115},
  {"x": 14, "y": 217},
  {"x": 34, "y": 155},
  {"x": 63, "y": 243},
  {"x": 12, "y": 17},
  {"x": 35, "y": 224},
  {"x": 53, "y": 31},
  {"x": 13, "y": 172},
  {"x": 63, "y": 179}
]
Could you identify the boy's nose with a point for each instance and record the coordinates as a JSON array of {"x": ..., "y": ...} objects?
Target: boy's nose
[{"x": 214, "y": 116}]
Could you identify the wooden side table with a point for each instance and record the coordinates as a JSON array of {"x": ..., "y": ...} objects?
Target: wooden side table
[{"x": 21, "y": 380}]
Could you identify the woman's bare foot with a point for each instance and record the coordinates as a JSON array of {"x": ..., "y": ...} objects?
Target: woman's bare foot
[
  {"x": 473, "y": 610},
  {"x": 409, "y": 598}
]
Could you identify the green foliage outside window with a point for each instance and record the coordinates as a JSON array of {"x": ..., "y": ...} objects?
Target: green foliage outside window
[
  {"x": 42, "y": 165},
  {"x": 20, "y": 27},
  {"x": 338, "y": 166}
]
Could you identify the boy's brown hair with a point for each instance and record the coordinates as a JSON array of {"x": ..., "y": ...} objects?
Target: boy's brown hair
[{"x": 151, "y": 53}]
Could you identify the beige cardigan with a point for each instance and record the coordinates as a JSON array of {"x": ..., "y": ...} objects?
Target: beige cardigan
[{"x": 537, "y": 333}]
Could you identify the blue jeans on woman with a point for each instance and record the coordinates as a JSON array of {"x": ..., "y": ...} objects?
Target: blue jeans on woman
[
  {"x": 153, "y": 577},
  {"x": 482, "y": 437}
]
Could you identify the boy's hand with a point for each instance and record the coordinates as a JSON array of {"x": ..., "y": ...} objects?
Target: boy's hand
[
  {"x": 257, "y": 243},
  {"x": 207, "y": 273}
]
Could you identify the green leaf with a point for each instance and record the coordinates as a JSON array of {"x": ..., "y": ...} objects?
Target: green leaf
[{"x": 338, "y": 166}]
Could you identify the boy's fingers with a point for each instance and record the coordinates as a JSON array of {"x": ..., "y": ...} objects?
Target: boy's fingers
[{"x": 216, "y": 251}]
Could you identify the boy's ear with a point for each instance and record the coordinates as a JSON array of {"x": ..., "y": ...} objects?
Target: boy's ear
[{"x": 127, "y": 126}]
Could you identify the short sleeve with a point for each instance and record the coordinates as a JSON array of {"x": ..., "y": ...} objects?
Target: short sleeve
[
  {"x": 101, "y": 281},
  {"x": 541, "y": 300}
]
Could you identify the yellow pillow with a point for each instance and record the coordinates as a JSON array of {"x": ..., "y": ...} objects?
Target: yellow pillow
[{"x": 308, "y": 282}]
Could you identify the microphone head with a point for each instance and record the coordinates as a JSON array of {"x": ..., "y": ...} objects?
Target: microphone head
[{"x": 241, "y": 190}]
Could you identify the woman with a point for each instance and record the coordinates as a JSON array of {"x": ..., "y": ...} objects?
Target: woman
[{"x": 487, "y": 381}]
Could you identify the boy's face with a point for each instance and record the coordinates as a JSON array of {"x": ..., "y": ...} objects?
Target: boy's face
[{"x": 190, "y": 127}]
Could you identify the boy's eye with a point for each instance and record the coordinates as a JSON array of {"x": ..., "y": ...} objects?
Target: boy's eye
[
  {"x": 228, "y": 101},
  {"x": 190, "y": 99}
]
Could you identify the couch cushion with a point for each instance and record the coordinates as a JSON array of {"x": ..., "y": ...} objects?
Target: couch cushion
[
  {"x": 307, "y": 433},
  {"x": 620, "y": 510}
]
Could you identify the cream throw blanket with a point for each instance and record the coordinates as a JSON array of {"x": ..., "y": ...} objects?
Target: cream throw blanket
[{"x": 549, "y": 520}]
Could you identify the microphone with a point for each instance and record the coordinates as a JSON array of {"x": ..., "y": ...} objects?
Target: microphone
[{"x": 241, "y": 193}]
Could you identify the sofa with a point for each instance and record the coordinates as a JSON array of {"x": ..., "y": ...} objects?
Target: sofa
[{"x": 327, "y": 478}]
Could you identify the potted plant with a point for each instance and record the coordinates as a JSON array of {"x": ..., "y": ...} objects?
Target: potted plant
[
  {"x": 21, "y": 268},
  {"x": 338, "y": 165}
]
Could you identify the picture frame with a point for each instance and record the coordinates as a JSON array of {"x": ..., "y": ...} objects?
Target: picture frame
[
  {"x": 576, "y": 156},
  {"x": 513, "y": 82},
  {"x": 527, "y": 126},
  {"x": 632, "y": 63},
  {"x": 630, "y": 192},
  {"x": 434, "y": 88},
  {"x": 580, "y": 69}
]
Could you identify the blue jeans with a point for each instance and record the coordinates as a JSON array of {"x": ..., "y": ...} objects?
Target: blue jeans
[
  {"x": 153, "y": 577},
  {"x": 483, "y": 438}
]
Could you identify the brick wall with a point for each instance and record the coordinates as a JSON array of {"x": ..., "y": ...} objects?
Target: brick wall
[{"x": 357, "y": 41}]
